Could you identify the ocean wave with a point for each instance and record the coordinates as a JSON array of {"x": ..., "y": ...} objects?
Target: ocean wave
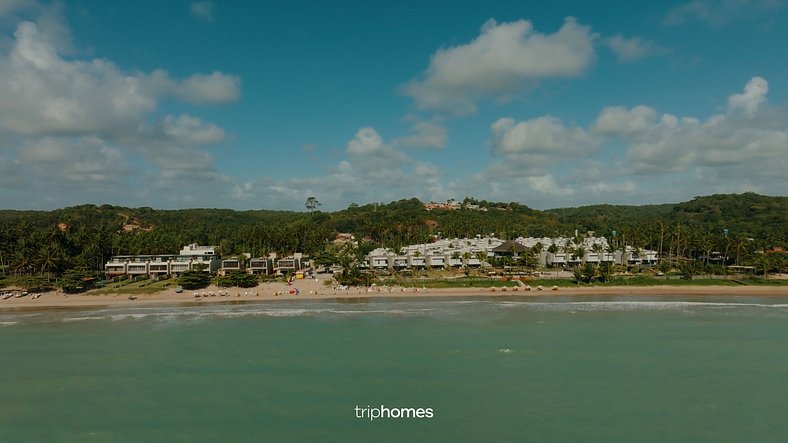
[
  {"x": 631, "y": 305},
  {"x": 76, "y": 319},
  {"x": 439, "y": 309}
]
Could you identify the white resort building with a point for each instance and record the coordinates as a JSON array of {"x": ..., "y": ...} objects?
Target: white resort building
[
  {"x": 191, "y": 257},
  {"x": 475, "y": 252}
]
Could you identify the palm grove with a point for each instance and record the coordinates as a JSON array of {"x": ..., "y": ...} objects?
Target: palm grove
[{"x": 55, "y": 246}]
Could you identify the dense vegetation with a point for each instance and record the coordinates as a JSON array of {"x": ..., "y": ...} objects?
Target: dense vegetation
[{"x": 82, "y": 238}]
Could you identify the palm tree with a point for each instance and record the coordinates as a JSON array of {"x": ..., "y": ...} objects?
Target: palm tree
[
  {"x": 605, "y": 271},
  {"x": 580, "y": 253},
  {"x": 764, "y": 263},
  {"x": 588, "y": 272},
  {"x": 740, "y": 247},
  {"x": 482, "y": 256},
  {"x": 21, "y": 263},
  {"x": 48, "y": 259}
]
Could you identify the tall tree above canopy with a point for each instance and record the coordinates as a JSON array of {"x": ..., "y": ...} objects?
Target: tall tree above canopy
[{"x": 312, "y": 203}]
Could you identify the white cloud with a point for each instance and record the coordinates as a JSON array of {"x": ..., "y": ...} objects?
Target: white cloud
[
  {"x": 498, "y": 62},
  {"x": 8, "y": 7},
  {"x": 547, "y": 164},
  {"x": 425, "y": 135},
  {"x": 629, "y": 50},
  {"x": 367, "y": 141},
  {"x": 746, "y": 138},
  {"x": 718, "y": 13},
  {"x": 68, "y": 122},
  {"x": 680, "y": 144},
  {"x": 526, "y": 155},
  {"x": 74, "y": 161},
  {"x": 754, "y": 94},
  {"x": 544, "y": 136},
  {"x": 42, "y": 93},
  {"x": 620, "y": 120},
  {"x": 214, "y": 88},
  {"x": 203, "y": 10},
  {"x": 373, "y": 170},
  {"x": 192, "y": 131},
  {"x": 367, "y": 152}
]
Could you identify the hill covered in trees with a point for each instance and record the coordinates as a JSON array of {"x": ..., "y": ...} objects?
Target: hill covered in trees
[{"x": 84, "y": 237}]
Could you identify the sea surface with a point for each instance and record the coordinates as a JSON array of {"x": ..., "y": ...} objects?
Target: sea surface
[{"x": 551, "y": 369}]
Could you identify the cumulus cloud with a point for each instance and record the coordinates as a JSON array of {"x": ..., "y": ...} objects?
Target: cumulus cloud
[
  {"x": 620, "y": 120},
  {"x": 367, "y": 152},
  {"x": 425, "y": 135},
  {"x": 543, "y": 136},
  {"x": 191, "y": 131},
  {"x": 8, "y": 7},
  {"x": 525, "y": 156},
  {"x": 76, "y": 160},
  {"x": 629, "y": 50},
  {"x": 744, "y": 138},
  {"x": 754, "y": 94},
  {"x": 498, "y": 62},
  {"x": 203, "y": 10},
  {"x": 44, "y": 93},
  {"x": 547, "y": 164},
  {"x": 718, "y": 13},
  {"x": 67, "y": 121},
  {"x": 213, "y": 88},
  {"x": 676, "y": 145},
  {"x": 373, "y": 170}
]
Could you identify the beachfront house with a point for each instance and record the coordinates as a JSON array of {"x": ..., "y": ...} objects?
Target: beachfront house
[
  {"x": 230, "y": 265},
  {"x": 291, "y": 264},
  {"x": 473, "y": 253},
  {"x": 191, "y": 257},
  {"x": 261, "y": 266}
]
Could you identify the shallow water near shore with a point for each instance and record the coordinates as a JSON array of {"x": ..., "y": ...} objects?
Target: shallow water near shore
[{"x": 544, "y": 369}]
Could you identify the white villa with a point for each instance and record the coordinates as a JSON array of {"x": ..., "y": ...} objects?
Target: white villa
[
  {"x": 474, "y": 252},
  {"x": 191, "y": 257},
  {"x": 456, "y": 253}
]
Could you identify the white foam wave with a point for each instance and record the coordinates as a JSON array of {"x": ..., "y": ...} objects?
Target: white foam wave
[
  {"x": 635, "y": 305},
  {"x": 76, "y": 319},
  {"x": 438, "y": 309}
]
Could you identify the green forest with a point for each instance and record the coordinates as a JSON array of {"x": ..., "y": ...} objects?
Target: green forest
[{"x": 81, "y": 238}]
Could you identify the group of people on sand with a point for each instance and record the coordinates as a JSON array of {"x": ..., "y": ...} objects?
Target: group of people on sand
[
  {"x": 222, "y": 294},
  {"x": 526, "y": 288}
]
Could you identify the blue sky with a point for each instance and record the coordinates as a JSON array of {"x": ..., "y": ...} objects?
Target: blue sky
[{"x": 250, "y": 105}]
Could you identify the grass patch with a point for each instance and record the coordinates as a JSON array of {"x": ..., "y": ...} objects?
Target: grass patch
[
  {"x": 461, "y": 282},
  {"x": 138, "y": 287}
]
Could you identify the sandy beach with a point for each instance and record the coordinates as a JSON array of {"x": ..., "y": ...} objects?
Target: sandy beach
[{"x": 316, "y": 289}]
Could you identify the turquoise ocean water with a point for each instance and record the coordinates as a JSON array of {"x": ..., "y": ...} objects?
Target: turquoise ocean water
[{"x": 547, "y": 369}]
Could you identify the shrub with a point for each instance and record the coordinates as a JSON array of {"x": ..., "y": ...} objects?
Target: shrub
[
  {"x": 237, "y": 278},
  {"x": 194, "y": 279}
]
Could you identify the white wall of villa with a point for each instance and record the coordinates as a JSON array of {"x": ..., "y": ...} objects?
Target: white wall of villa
[
  {"x": 466, "y": 252},
  {"x": 192, "y": 257},
  {"x": 444, "y": 252}
]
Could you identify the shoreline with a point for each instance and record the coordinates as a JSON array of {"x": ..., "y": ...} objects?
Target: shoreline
[{"x": 313, "y": 290}]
